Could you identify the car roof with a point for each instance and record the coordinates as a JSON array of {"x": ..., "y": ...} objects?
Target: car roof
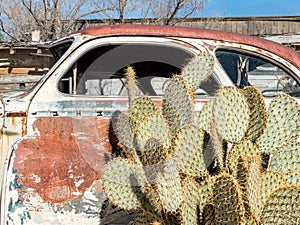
[{"x": 189, "y": 32}]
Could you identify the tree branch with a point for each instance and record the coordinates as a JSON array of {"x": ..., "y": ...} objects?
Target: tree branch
[{"x": 178, "y": 6}]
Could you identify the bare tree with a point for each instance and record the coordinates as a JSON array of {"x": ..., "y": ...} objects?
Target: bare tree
[
  {"x": 55, "y": 18},
  {"x": 123, "y": 9},
  {"x": 167, "y": 12}
]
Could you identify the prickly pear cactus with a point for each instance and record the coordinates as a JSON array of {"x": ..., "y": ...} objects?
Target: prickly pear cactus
[{"x": 255, "y": 175}]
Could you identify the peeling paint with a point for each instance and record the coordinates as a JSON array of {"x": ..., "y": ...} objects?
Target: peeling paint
[
  {"x": 55, "y": 176},
  {"x": 29, "y": 208},
  {"x": 54, "y": 153}
]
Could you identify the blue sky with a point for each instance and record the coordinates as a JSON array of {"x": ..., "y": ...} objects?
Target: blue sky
[{"x": 238, "y": 8}]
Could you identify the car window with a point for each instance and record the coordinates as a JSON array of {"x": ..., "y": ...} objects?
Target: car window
[
  {"x": 246, "y": 69},
  {"x": 101, "y": 71},
  {"x": 60, "y": 48}
]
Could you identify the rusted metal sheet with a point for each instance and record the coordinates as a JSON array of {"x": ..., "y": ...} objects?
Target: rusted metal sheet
[
  {"x": 64, "y": 161},
  {"x": 59, "y": 167}
]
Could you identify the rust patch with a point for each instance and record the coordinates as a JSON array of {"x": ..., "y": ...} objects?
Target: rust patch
[
  {"x": 63, "y": 161},
  {"x": 16, "y": 114}
]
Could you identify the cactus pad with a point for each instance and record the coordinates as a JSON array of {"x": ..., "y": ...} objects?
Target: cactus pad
[
  {"x": 141, "y": 107},
  {"x": 187, "y": 150},
  {"x": 249, "y": 177},
  {"x": 151, "y": 201},
  {"x": 177, "y": 105},
  {"x": 153, "y": 126},
  {"x": 258, "y": 113},
  {"x": 292, "y": 177},
  {"x": 130, "y": 84},
  {"x": 154, "y": 152},
  {"x": 198, "y": 70},
  {"x": 208, "y": 215},
  {"x": 252, "y": 221},
  {"x": 282, "y": 125},
  {"x": 245, "y": 149},
  {"x": 123, "y": 183},
  {"x": 191, "y": 202},
  {"x": 286, "y": 158},
  {"x": 125, "y": 135},
  {"x": 231, "y": 114},
  {"x": 270, "y": 181},
  {"x": 282, "y": 207},
  {"x": 205, "y": 194},
  {"x": 145, "y": 218},
  {"x": 228, "y": 199},
  {"x": 205, "y": 116},
  {"x": 153, "y": 157},
  {"x": 254, "y": 185},
  {"x": 169, "y": 187}
]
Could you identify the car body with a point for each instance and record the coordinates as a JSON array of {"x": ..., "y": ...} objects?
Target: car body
[{"x": 57, "y": 137}]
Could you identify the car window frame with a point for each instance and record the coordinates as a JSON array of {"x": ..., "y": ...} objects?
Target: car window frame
[{"x": 94, "y": 43}]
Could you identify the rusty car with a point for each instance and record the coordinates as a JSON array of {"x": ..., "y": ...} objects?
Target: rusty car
[{"x": 57, "y": 137}]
